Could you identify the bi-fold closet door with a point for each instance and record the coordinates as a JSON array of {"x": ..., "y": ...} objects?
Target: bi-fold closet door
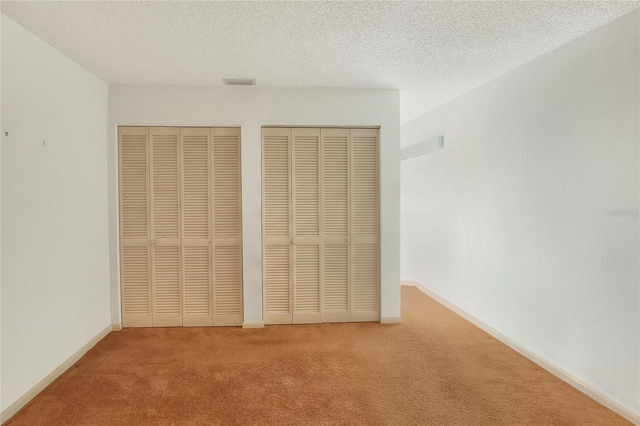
[
  {"x": 320, "y": 225},
  {"x": 180, "y": 226}
]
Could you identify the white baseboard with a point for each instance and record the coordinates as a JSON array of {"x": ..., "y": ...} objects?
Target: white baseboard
[
  {"x": 391, "y": 320},
  {"x": 116, "y": 327},
  {"x": 547, "y": 365},
  {"x": 11, "y": 410},
  {"x": 259, "y": 324}
]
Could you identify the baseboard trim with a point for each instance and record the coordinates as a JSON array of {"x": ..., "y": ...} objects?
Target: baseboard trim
[
  {"x": 116, "y": 327},
  {"x": 547, "y": 365},
  {"x": 258, "y": 324},
  {"x": 391, "y": 320},
  {"x": 21, "y": 402}
]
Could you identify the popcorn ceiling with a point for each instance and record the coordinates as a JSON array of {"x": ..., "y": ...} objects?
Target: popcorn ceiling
[{"x": 437, "y": 47}]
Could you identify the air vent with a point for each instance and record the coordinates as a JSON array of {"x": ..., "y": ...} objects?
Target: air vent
[{"x": 239, "y": 81}]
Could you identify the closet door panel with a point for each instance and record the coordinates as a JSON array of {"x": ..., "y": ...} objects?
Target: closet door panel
[
  {"x": 364, "y": 236},
  {"x": 276, "y": 185},
  {"x": 197, "y": 286},
  {"x": 135, "y": 257},
  {"x": 167, "y": 302},
  {"x": 336, "y": 213},
  {"x": 195, "y": 183},
  {"x": 306, "y": 197},
  {"x": 197, "y": 292},
  {"x": 277, "y": 284},
  {"x": 276, "y": 225},
  {"x": 165, "y": 226},
  {"x": 365, "y": 282},
  {"x": 134, "y": 183},
  {"x": 228, "y": 285},
  {"x": 307, "y": 284},
  {"x": 136, "y": 286},
  {"x": 306, "y": 226},
  {"x": 165, "y": 183},
  {"x": 227, "y": 227},
  {"x": 335, "y": 145}
]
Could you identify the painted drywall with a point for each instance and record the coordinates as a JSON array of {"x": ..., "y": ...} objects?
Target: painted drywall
[
  {"x": 528, "y": 218},
  {"x": 55, "y": 248},
  {"x": 251, "y": 108},
  {"x": 1, "y": 133}
]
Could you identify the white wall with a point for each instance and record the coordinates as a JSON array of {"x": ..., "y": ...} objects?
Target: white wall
[
  {"x": 55, "y": 257},
  {"x": 508, "y": 220},
  {"x": 251, "y": 108},
  {"x": 1, "y": 143}
]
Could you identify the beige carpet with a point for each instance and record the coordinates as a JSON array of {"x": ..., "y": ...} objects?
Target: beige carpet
[{"x": 435, "y": 369}]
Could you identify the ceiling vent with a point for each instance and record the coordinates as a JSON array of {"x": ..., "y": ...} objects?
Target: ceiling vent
[{"x": 239, "y": 81}]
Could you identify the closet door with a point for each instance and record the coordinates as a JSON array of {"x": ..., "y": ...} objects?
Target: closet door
[
  {"x": 135, "y": 276},
  {"x": 276, "y": 225},
  {"x": 306, "y": 226},
  {"x": 165, "y": 227},
  {"x": 227, "y": 227},
  {"x": 364, "y": 262},
  {"x": 320, "y": 222},
  {"x": 197, "y": 300},
  {"x": 336, "y": 213}
]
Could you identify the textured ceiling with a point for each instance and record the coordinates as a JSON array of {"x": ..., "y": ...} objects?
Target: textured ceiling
[{"x": 441, "y": 48}]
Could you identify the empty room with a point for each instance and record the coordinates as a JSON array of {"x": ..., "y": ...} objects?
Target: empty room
[{"x": 319, "y": 213}]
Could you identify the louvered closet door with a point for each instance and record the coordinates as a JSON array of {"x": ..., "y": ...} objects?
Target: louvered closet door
[
  {"x": 165, "y": 226},
  {"x": 227, "y": 227},
  {"x": 276, "y": 225},
  {"x": 336, "y": 213},
  {"x": 320, "y": 222},
  {"x": 365, "y": 283},
  {"x": 197, "y": 294},
  {"x": 135, "y": 259},
  {"x": 181, "y": 233},
  {"x": 307, "y": 306}
]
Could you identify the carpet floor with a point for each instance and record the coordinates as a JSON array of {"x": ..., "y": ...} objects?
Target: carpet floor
[{"x": 434, "y": 369}]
